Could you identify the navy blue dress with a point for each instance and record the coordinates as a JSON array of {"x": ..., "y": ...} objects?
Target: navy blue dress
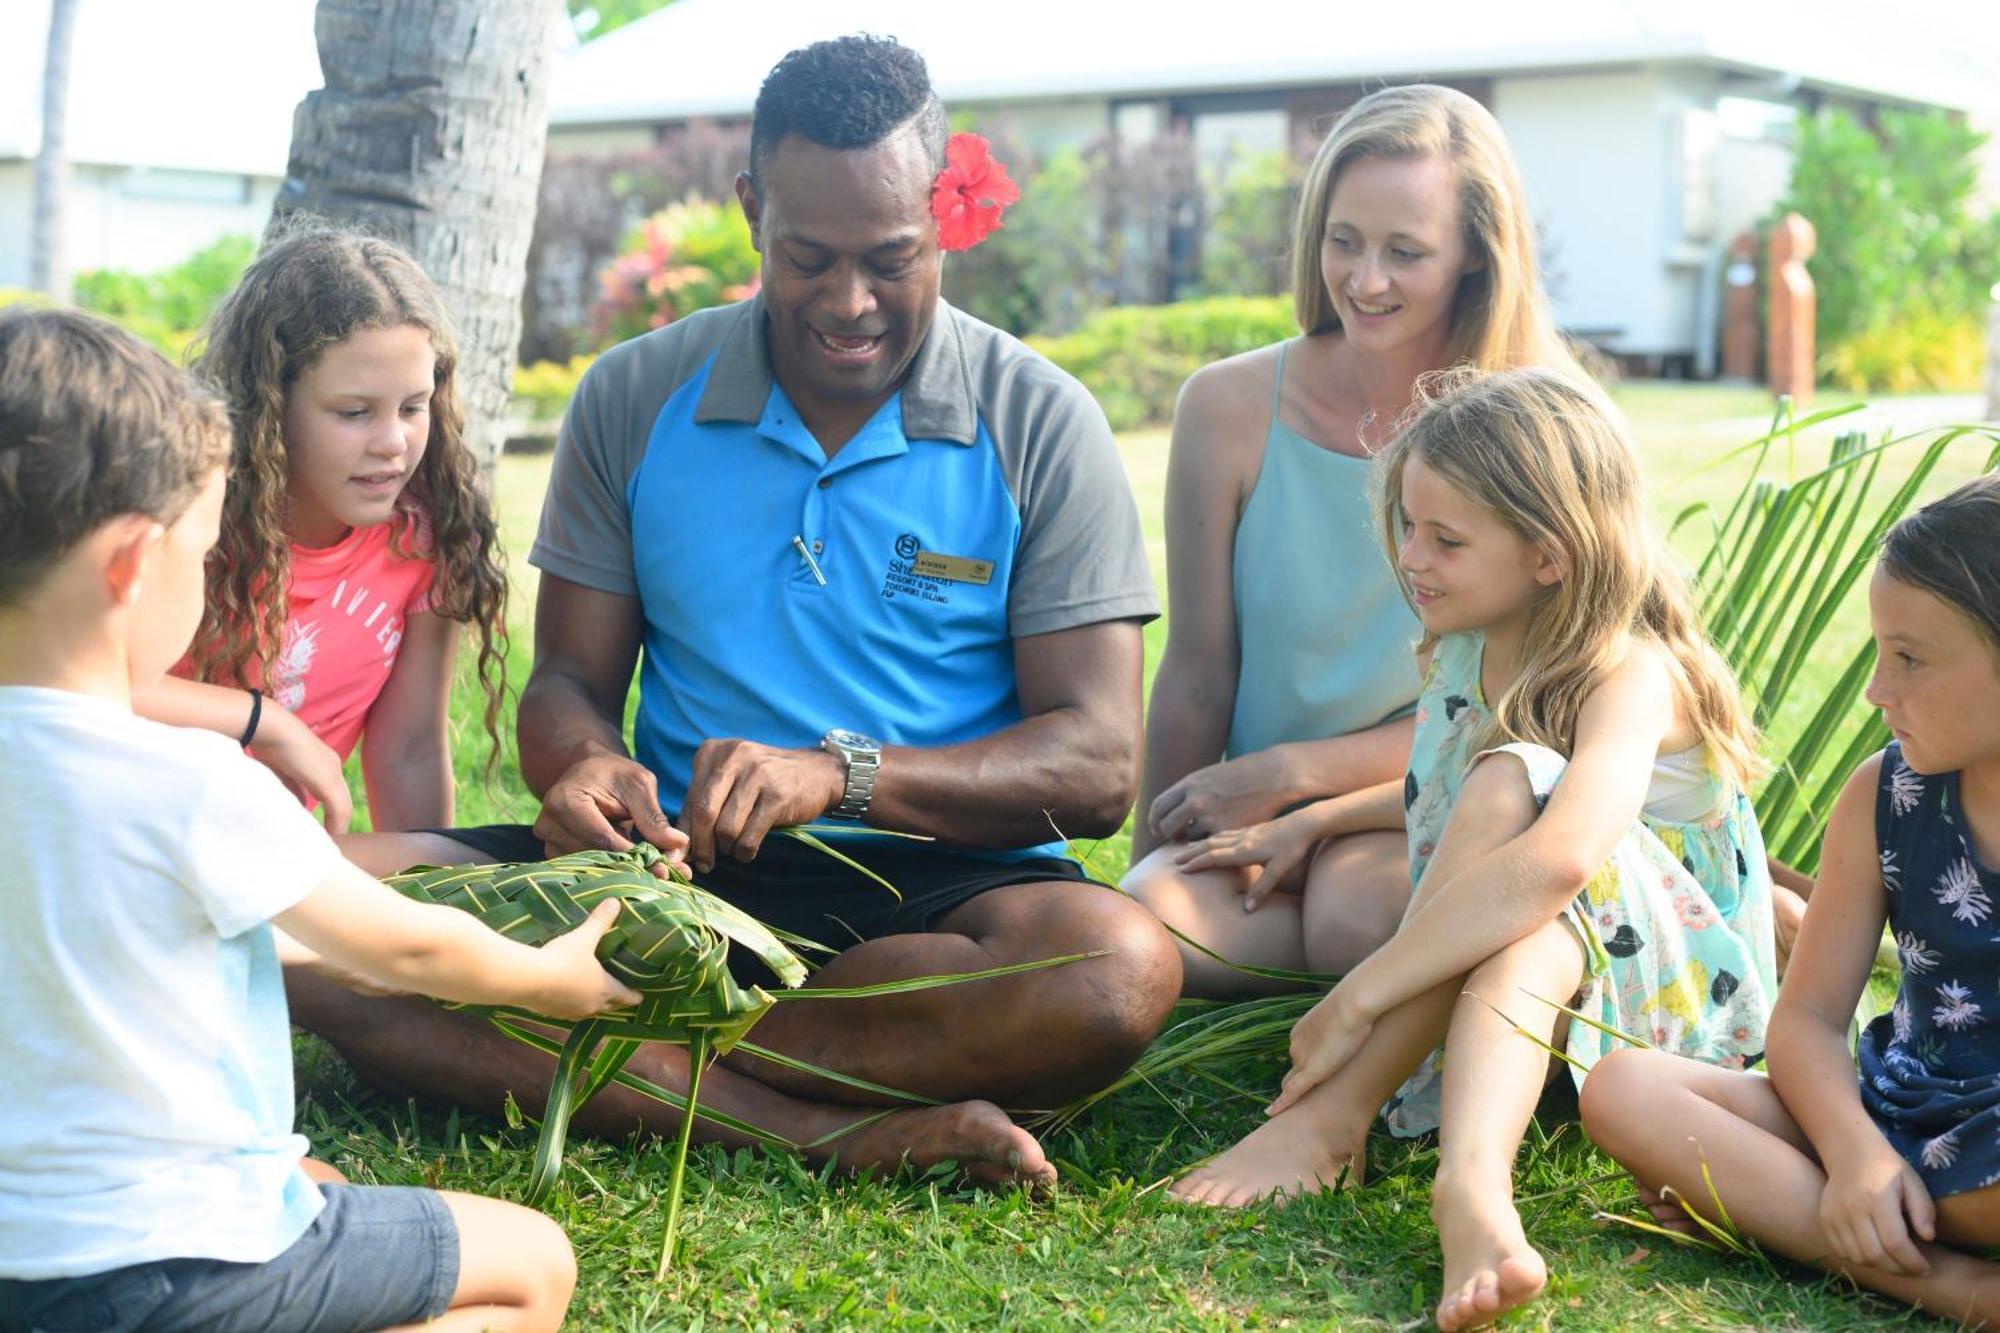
[{"x": 1930, "y": 1067}]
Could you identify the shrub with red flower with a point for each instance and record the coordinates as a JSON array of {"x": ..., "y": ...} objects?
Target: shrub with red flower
[
  {"x": 970, "y": 194},
  {"x": 684, "y": 258}
]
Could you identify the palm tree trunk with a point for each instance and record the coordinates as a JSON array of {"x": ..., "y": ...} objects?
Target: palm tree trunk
[
  {"x": 46, "y": 270},
  {"x": 430, "y": 133}
]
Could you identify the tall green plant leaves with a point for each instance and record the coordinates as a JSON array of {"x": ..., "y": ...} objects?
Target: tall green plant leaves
[{"x": 1784, "y": 560}]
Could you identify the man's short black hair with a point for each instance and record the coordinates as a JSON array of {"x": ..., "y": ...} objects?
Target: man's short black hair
[{"x": 847, "y": 92}]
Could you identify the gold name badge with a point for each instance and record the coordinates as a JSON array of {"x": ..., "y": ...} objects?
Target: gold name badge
[{"x": 957, "y": 568}]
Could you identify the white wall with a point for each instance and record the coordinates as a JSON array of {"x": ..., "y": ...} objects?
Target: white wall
[
  {"x": 139, "y": 219},
  {"x": 1593, "y": 152}
]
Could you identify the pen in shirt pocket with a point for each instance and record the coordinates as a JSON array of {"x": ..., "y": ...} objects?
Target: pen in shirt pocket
[{"x": 806, "y": 552}]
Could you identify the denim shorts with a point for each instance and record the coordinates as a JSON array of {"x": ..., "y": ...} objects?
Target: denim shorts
[{"x": 375, "y": 1256}]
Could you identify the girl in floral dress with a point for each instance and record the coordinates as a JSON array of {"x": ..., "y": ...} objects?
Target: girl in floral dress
[
  {"x": 1577, "y": 826},
  {"x": 1893, "y": 1177}
]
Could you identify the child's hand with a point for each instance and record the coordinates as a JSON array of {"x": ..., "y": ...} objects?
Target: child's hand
[
  {"x": 1330, "y": 1035},
  {"x": 304, "y": 763},
  {"x": 1270, "y": 850},
  {"x": 1869, "y": 1209},
  {"x": 577, "y": 986}
]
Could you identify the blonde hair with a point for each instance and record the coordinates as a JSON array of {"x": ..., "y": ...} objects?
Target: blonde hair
[
  {"x": 1547, "y": 454},
  {"x": 1499, "y": 316}
]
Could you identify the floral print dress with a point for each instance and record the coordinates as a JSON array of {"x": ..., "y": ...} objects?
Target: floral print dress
[
  {"x": 1675, "y": 928},
  {"x": 1930, "y": 1067}
]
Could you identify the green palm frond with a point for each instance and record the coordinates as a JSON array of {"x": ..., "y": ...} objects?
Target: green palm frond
[
  {"x": 671, "y": 944},
  {"x": 1782, "y": 563}
]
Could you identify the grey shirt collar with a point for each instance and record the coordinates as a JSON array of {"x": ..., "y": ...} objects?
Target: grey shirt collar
[{"x": 937, "y": 395}]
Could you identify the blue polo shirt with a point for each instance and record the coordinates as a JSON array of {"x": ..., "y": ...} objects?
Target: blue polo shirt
[{"x": 784, "y": 592}]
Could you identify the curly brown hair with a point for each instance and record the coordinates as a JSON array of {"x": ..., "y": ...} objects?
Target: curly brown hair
[{"x": 312, "y": 286}]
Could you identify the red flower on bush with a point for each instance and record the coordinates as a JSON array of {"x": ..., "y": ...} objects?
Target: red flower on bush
[{"x": 970, "y": 193}]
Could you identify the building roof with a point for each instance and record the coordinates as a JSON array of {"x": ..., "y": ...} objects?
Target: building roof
[
  {"x": 205, "y": 85},
  {"x": 708, "y": 57}
]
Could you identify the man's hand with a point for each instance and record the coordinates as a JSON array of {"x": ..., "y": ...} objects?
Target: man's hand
[
  {"x": 596, "y": 798},
  {"x": 742, "y": 790}
]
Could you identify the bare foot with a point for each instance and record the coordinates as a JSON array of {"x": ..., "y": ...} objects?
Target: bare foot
[
  {"x": 1666, "y": 1212},
  {"x": 1489, "y": 1267},
  {"x": 1315, "y": 1145},
  {"x": 990, "y": 1148}
]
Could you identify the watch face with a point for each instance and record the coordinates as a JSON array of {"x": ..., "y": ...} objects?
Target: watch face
[{"x": 852, "y": 740}]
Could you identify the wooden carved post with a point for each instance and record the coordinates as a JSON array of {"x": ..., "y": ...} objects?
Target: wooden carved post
[
  {"x": 1788, "y": 351},
  {"x": 1739, "y": 310}
]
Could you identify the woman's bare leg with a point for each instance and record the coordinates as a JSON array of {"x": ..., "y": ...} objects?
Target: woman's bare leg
[
  {"x": 1207, "y": 905},
  {"x": 1662, "y": 1118},
  {"x": 1356, "y": 893},
  {"x": 1351, "y": 899}
]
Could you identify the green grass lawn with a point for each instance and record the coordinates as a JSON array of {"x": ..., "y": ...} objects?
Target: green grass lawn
[{"x": 769, "y": 1243}]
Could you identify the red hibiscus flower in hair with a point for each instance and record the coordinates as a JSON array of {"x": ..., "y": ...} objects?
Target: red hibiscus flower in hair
[{"x": 970, "y": 193}]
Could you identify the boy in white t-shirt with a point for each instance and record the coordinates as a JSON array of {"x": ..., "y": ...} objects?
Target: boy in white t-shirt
[{"x": 149, "y": 1174}]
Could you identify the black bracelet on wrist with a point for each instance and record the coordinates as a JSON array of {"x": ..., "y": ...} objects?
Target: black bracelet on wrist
[{"x": 256, "y": 716}]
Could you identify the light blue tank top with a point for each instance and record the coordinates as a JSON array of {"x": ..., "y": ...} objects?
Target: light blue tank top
[{"x": 1324, "y": 634}]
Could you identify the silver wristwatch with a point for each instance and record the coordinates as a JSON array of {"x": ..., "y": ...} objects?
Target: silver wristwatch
[{"x": 863, "y": 756}]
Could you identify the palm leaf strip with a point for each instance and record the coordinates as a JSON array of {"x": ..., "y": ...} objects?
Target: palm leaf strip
[{"x": 671, "y": 943}]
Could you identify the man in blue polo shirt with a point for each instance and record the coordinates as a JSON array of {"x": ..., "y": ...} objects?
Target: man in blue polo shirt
[{"x": 875, "y": 562}]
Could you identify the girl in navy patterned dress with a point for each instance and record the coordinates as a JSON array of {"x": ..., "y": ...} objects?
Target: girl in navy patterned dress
[{"x": 1892, "y": 1178}]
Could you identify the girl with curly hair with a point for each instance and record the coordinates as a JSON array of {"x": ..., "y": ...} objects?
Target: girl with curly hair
[{"x": 356, "y": 539}]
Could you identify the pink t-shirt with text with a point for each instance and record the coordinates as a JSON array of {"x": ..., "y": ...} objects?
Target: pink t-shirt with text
[{"x": 349, "y": 604}]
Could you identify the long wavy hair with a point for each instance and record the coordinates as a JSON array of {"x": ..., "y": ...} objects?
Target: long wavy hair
[
  {"x": 1548, "y": 455},
  {"x": 311, "y": 287},
  {"x": 1499, "y": 317}
]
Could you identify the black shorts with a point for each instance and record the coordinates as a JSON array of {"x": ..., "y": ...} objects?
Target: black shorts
[{"x": 803, "y": 890}]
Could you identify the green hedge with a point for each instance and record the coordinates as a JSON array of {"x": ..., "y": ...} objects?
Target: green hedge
[{"x": 1135, "y": 358}]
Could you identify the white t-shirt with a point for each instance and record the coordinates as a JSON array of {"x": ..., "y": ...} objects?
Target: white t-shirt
[{"x": 145, "y": 1054}]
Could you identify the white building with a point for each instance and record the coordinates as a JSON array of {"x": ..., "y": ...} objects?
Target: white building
[
  {"x": 180, "y": 116},
  {"x": 1649, "y": 133}
]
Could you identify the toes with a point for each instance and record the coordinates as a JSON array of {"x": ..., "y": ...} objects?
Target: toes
[
  {"x": 1521, "y": 1277},
  {"x": 1485, "y": 1297}
]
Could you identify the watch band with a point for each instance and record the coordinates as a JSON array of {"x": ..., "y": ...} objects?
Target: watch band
[
  {"x": 860, "y": 786},
  {"x": 862, "y": 757}
]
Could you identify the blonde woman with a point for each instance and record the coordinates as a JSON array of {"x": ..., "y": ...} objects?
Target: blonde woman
[
  {"x": 1575, "y": 817},
  {"x": 1287, "y": 675}
]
